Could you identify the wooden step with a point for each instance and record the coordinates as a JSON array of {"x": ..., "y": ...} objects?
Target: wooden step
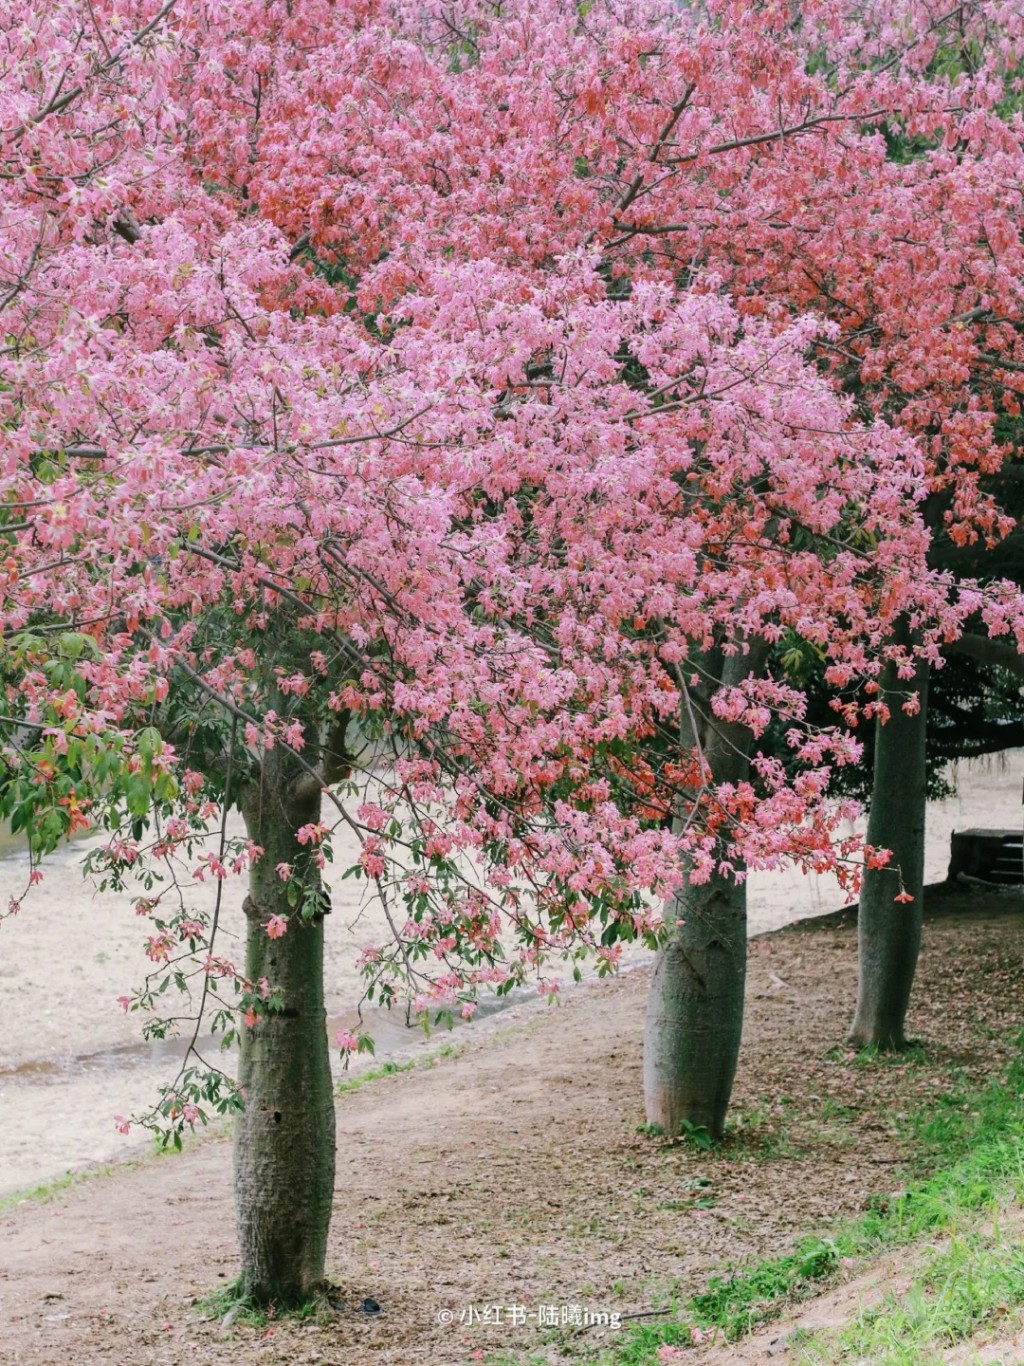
[{"x": 989, "y": 855}]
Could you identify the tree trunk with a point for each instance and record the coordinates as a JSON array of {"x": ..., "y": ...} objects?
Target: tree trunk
[
  {"x": 888, "y": 931},
  {"x": 284, "y": 1141},
  {"x": 695, "y": 1009},
  {"x": 694, "y": 1018}
]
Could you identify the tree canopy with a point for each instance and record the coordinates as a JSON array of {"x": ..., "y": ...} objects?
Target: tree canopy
[{"x": 443, "y": 395}]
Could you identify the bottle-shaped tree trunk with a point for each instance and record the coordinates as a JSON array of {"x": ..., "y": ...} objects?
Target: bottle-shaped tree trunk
[
  {"x": 889, "y": 931},
  {"x": 695, "y": 1009},
  {"x": 694, "y": 1018},
  {"x": 284, "y": 1141}
]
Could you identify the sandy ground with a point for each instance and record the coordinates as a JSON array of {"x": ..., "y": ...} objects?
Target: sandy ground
[
  {"x": 70, "y": 1059},
  {"x": 514, "y": 1175}
]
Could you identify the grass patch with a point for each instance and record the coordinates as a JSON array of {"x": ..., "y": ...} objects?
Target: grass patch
[
  {"x": 913, "y": 1054},
  {"x": 972, "y": 1284},
  {"x": 226, "y": 1304},
  {"x": 49, "y": 1190},
  {"x": 980, "y": 1137},
  {"x": 391, "y": 1069},
  {"x": 230, "y": 1308},
  {"x": 387, "y": 1069},
  {"x": 57, "y": 1185}
]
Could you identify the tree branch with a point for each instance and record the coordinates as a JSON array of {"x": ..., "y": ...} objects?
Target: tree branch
[
  {"x": 56, "y": 104},
  {"x": 988, "y": 651}
]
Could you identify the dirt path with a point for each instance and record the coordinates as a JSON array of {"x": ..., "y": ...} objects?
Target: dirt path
[
  {"x": 70, "y": 1059},
  {"x": 513, "y": 1175}
]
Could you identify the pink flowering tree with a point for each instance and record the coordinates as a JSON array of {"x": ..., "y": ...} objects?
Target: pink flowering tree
[
  {"x": 888, "y": 204},
  {"x": 395, "y": 438}
]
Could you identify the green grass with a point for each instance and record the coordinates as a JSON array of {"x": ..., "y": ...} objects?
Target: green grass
[
  {"x": 230, "y": 1308},
  {"x": 391, "y": 1069},
  {"x": 912, "y": 1054},
  {"x": 49, "y": 1190},
  {"x": 387, "y": 1069},
  {"x": 979, "y": 1139},
  {"x": 972, "y": 1284},
  {"x": 225, "y": 1302}
]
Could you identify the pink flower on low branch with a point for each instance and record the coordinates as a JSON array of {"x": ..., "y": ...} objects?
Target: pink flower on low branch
[
  {"x": 312, "y": 833},
  {"x": 277, "y": 926},
  {"x": 374, "y": 817}
]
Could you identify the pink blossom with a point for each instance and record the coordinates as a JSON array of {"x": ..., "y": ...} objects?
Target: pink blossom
[
  {"x": 374, "y": 817},
  {"x": 276, "y": 926}
]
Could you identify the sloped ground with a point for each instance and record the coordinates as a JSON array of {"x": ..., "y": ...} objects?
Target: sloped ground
[
  {"x": 513, "y": 1176},
  {"x": 790, "y": 1339}
]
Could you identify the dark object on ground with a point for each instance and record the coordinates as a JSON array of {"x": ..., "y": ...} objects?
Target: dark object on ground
[{"x": 990, "y": 855}]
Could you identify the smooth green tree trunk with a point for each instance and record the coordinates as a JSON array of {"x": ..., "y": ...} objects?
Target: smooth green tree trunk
[
  {"x": 889, "y": 931},
  {"x": 285, "y": 1136},
  {"x": 694, "y": 1019}
]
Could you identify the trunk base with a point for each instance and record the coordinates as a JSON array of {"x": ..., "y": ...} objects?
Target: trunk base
[
  {"x": 695, "y": 1012},
  {"x": 282, "y": 1297}
]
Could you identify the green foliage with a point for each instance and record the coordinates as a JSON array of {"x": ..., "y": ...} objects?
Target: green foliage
[
  {"x": 697, "y": 1135},
  {"x": 913, "y": 1054},
  {"x": 60, "y": 775}
]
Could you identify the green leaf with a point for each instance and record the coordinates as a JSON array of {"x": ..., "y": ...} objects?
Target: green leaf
[{"x": 137, "y": 795}]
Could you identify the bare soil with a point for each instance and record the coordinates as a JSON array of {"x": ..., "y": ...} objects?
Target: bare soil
[{"x": 515, "y": 1173}]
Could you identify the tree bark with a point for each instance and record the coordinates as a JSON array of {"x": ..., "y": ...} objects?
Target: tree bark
[
  {"x": 889, "y": 932},
  {"x": 285, "y": 1137},
  {"x": 694, "y": 1019}
]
